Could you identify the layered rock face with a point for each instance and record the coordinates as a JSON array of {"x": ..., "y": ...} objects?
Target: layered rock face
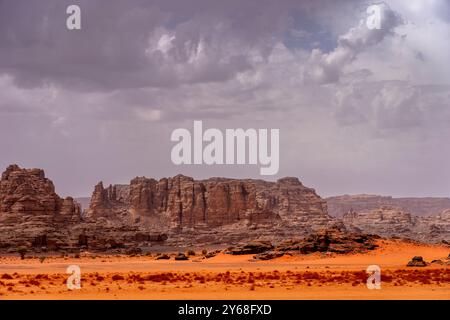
[
  {"x": 30, "y": 208},
  {"x": 339, "y": 205},
  {"x": 391, "y": 221},
  {"x": 107, "y": 202},
  {"x": 438, "y": 225},
  {"x": 212, "y": 211},
  {"x": 183, "y": 212},
  {"x": 383, "y": 221},
  {"x": 180, "y": 202},
  {"x": 179, "y": 211},
  {"x": 28, "y": 193}
]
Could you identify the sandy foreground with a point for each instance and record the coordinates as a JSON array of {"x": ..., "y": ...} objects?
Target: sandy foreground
[{"x": 315, "y": 276}]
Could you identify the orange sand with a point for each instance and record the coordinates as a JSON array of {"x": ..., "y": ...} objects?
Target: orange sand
[{"x": 315, "y": 276}]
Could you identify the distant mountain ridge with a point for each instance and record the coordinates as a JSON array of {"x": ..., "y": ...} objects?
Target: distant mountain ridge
[{"x": 340, "y": 205}]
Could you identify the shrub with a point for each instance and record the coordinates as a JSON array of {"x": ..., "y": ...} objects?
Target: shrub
[
  {"x": 117, "y": 277},
  {"x": 22, "y": 251},
  {"x": 204, "y": 251},
  {"x": 190, "y": 253},
  {"x": 42, "y": 259}
]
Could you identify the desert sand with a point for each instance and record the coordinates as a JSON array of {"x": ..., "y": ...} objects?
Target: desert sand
[{"x": 313, "y": 276}]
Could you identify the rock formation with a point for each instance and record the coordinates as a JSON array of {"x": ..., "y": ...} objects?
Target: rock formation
[
  {"x": 176, "y": 211},
  {"x": 183, "y": 212},
  {"x": 332, "y": 240},
  {"x": 417, "y": 261},
  {"x": 221, "y": 208},
  {"x": 395, "y": 222},
  {"x": 339, "y": 205},
  {"x": 383, "y": 221},
  {"x": 30, "y": 210},
  {"x": 437, "y": 227}
]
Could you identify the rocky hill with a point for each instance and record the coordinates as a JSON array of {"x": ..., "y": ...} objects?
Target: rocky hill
[
  {"x": 215, "y": 210},
  {"x": 183, "y": 212},
  {"x": 30, "y": 210},
  {"x": 183, "y": 202},
  {"x": 395, "y": 222},
  {"x": 177, "y": 210},
  {"x": 339, "y": 205}
]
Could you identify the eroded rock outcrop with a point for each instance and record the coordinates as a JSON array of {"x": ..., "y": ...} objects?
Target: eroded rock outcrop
[
  {"x": 417, "y": 261},
  {"x": 221, "y": 208},
  {"x": 384, "y": 221},
  {"x": 30, "y": 210},
  {"x": 332, "y": 240},
  {"x": 184, "y": 212},
  {"x": 340, "y": 205},
  {"x": 107, "y": 202},
  {"x": 176, "y": 211},
  {"x": 437, "y": 227},
  {"x": 394, "y": 222}
]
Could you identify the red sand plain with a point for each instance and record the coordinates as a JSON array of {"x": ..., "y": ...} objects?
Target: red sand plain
[{"x": 313, "y": 276}]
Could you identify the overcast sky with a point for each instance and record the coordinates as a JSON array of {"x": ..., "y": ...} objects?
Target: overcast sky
[{"x": 359, "y": 110}]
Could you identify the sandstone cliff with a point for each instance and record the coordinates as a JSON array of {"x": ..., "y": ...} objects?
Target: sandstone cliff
[
  {"x": 182, "y": 202},
  {"x": 179, "y": 210},
  {"x": 183, "y": 212},
  {"x": 30, "y": 209}
]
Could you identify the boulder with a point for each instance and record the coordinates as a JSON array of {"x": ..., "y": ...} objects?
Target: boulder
[
  {"x": 268, "y": 255},
  {"x": 417, "y": 261},
  {"x": 211, "y": 254},
  {"x": 252, "y": 247},
  {"x": 181, "y": 257}
]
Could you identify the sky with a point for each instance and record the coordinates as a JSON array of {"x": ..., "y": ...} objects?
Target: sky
[{"x": 359, "y": 110}]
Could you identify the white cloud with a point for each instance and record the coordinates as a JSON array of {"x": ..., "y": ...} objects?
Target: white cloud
[
  {"x": 165, "y": 43},
  {"x": 328, "y": 67}
]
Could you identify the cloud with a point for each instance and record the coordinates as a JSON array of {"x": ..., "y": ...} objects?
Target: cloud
[
  {"x": 388, "y": 109},
  {"x": 148, "y": 114},
  {"x": 132, "y": 44},
  {"x": 366, "y": 111},
  {"x": 328, "y": 67},
  {"x": 141, "y": 44}
]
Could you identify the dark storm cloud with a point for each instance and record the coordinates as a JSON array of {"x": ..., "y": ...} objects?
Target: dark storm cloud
[
  {"x": 108, "y": 52},
  {"x": 116, "y": 47},
  {"x": 100, "y": 103},
  {"x": 111, "y": 50}
]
